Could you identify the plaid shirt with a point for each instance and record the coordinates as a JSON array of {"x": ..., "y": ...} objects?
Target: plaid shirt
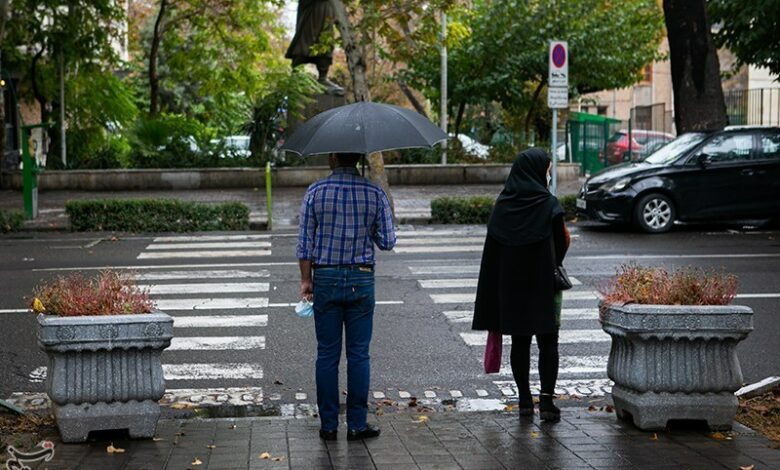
[{"x": 342, "y": 217}]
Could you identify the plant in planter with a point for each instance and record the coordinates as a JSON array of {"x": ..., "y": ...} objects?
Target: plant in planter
[
  {"x": 104, "y": 341},
  {"x": 674, "y": 338}
]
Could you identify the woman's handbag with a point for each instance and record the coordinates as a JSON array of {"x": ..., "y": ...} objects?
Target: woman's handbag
[
  {"x": 560, "y": 276},
  {"x": 495, "y": 342}
]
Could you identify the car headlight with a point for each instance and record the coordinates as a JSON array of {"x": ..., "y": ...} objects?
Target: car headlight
[{"x": 617, "y": 185}]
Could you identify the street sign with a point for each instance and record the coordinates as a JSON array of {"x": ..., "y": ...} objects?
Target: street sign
[
  {"x": 559, "y": 65},
  {"x": 558, "y": 97}
]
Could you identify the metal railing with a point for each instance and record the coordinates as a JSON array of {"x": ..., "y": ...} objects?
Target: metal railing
[{"x": 756, "y": 107}]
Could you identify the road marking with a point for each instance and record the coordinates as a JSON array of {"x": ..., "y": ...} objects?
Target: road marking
[
  {"x": 379, "y": 395},
  {"x": 403, "y": 394},
  {"x": 137, "y": 267},
  {"x": 209, "y": 288},
  {"x": 465, "y": 316},
  {"x": 208, "y": 303},
  {"x": 429, "y": 394},
  {"x": 210, "y": 238},
  {"x": 569, "y": 365},
  {"x": 469, "y": 298},
  {"x": 598, "y": 387},
  {"x": 378, "y": 302},
  {"x": 459, "y": 316},
  {"x": 203, "y": 254},
  {"x": 482, "y": 393},
  {"x": 403, "y": 241},
  {"x": 456, "y": 394},
  {"x": 628, "y": 257},
  {"x": 453, "y": 269},
  {"x": 439, "y": 233},
  {"x": 564, "y": 337},
  {"x": 220, "y": 321},
  {"x": 206, "y": 371},
  {"x": 439, "y": 249},
  {"x": 215, "y": 274},
  {"x": 15, "y": 310},
  {"x": 462, "y": 283},
  {"x": 208, "y": 246},
  {"x": 758, "y": 296},
  {"x": 216, "y": 343},
  {"x": 300, "y": 396}
]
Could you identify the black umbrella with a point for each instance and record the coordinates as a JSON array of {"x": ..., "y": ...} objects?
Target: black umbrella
[{"x": 363, "y": 128}]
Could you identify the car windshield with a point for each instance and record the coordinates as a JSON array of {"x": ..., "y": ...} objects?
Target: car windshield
[{"x": 675, "y": 148}]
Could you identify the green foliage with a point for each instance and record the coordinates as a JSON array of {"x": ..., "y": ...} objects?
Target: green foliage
[
  {"x": 461, "y": 210},
  {"x": 171, "y": 141},
  {"x": 155, "y": 215},
  {"x": 569, "y": 204},
  {"x": 749, "y": 29},
  {"x": 11, "y": 221}
]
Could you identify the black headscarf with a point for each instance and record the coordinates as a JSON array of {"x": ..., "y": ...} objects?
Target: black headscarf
[{"x": 525, "y": 208}]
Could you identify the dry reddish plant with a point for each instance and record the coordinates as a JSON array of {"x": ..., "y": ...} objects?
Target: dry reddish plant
[
  {"x": 110, "y": 293},
  {"x": 656, "y": 286}
]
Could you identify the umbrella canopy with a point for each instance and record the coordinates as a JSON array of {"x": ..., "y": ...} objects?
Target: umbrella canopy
[{"x": 363, "y": 128}]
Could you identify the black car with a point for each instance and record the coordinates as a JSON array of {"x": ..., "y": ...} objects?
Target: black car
[{"x": 733, "y": 174}]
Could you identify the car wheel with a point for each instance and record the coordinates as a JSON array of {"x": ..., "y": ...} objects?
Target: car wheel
[{"x": 655, "y": 213}]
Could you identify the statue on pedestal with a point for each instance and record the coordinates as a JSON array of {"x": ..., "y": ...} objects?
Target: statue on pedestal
[{"x": 314, "y": 17}]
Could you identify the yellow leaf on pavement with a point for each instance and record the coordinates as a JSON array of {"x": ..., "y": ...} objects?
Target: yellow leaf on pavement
[
  {"x": 748, "y": 467},
  {"x": 265, "y": 456},
  {"x": 37, "y": 306},
  {"x": 421, "y": 419},
  {"x": 211, "y": 446},
  {"x": 114, "y": 450},
  {"x": 655, "y": 437},
  {"x": 197, "y": 461},
  {"x": 534, "y": 434}
]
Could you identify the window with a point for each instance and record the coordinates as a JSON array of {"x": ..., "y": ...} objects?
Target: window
[
  {"x": 647, "y": 74},
  {"x": 729, "y": 148},
  {"x": 770, "y": 145}
]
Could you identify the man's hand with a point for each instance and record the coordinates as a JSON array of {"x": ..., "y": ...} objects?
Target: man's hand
[{"x": 307, "y": 290}]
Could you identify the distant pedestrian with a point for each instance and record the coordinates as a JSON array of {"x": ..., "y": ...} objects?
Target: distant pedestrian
[
  {"x": 526, "y": 240},
  {"x": 342, "y": 217}
]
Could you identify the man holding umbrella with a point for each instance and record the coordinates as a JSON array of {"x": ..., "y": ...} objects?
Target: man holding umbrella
[{"x": 342, "y": 218}]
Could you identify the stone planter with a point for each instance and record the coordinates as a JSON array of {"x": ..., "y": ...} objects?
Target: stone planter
[
  {"x": 675, "y": 362},
  {"x": 105, "y": 372}
]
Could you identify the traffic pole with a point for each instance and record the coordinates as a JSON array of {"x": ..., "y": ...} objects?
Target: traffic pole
[{"x": 554, "y": 153}]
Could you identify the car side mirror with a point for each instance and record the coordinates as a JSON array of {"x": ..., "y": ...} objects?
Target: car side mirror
[{"x": 704, "y": 160}]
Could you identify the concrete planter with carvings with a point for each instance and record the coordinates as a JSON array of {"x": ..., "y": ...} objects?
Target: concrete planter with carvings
[
  {"x": 105, "y": 372},
  {"x": 675, "y": 362}
]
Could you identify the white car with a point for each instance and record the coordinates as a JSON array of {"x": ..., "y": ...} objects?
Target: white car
[{"x": 235, "y": 146}]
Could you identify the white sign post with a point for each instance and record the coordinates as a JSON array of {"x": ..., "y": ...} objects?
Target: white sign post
[{"x": 557, "y": 97}]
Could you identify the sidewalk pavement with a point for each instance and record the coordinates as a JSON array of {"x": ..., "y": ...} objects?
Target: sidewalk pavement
[
  {"x": 412, "y": 203},
  {"x": 472, "y": 440}
]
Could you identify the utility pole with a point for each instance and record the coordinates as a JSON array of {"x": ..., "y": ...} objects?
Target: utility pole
[
  {"x": 443, "y": 111},
  {"x": 63, "y": 146}
]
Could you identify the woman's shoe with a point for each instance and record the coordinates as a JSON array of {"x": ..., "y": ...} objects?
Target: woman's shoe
[
  {"x": 547, "y": 410},
  {"x": 526, "y": 406}
]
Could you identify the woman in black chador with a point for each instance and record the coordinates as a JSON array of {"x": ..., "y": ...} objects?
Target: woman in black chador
[{"x": 525, "y": 241}]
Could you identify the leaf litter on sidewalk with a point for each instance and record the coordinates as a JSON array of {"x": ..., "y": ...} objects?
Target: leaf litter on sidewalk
[{"x": 762, "y": 414}]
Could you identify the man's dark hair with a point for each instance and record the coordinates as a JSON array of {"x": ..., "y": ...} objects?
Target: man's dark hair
[{"x": 348, "y": 159}]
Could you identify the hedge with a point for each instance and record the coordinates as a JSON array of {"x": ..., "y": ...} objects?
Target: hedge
[
  {"x": 477, "y": 209},
  {"x": 155, "y": 215},
  {"x": 11, "y": 221}
]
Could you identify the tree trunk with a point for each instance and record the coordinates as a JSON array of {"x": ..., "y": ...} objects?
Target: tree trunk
[
  {"x": 357, "y": 69},
  {"x": 698, "y": 96},
  {"x": 3, "y": 17},
  {"x": 532, "y": 109},
  {"x": 412, "y": 99},
  {"x": 154, "y": 50},
  {"x": 459, "y": 117}
]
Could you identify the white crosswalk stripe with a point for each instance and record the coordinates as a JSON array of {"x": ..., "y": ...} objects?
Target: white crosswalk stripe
[
  {"x": 206, "y": 274},
  {"x": 220, "y": 321},
  {"x": 194, "y": 371},
  {"x": 465, "y": 316},
  {"x": 216, "y": 343},
  {"x": 469, "y": 298},
  {"x": 208, "y": 245},
  {"x": 210, "y": 238},
  {"x": 204, "y": 288},
  {"x": 203, "y": 254},
  {"x": 479, "y": 338},
  {"x": 212, "y": 303}
]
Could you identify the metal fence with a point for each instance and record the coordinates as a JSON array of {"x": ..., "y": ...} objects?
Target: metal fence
[{"x": 757, "y": 107}]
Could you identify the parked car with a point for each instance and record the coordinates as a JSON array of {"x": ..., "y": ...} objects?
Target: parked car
[
  {"x": 234, "y": 146},
  {"x": 618, "y": 149},
  {"x": 733, "y": 174},
  {"x": 472, "y": 146}
]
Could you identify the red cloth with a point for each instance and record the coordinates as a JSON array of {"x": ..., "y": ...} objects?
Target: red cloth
[{"x": 495, "y": 342}]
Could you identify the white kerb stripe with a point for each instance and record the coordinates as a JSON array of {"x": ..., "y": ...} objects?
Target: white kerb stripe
[
  {"x": 216, "y": 343},
  {"x": 208, "y": 246},
  {"x": 402, "y": 241},
  {"x": 224, "y": 288},
  {"x": 205, "y": 371},
  {"x": 439, "y": 249},
  {"x": 218, "y": 274},
  {"x": 220, "y": 321},
  {"x": 221, "y": 371},
  {"x": 206, "y": 304},
  {"x": 564, "y": 337},
  {"x": 203, "y": 254},
  {"x": 210, "y": 238},
  {"x": 464, "y": 316}
]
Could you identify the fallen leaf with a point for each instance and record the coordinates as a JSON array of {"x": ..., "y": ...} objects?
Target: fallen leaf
[
  {"x": 534, "y": 434},
  {"x": 114, "y": 450},
  {"x": 747, "y": 467},
  {"x": 181, "y": 405},
  {"x": 157, "y": 439},
  {"x": 265, "y": 456},
  {"x": 37, "y": 306},
  {"x": 278, "y": 382},
  {"x": 609, "y": 409},
  {"x": 421, "y": 419},
  {"x": 509, "y": 407},
  {"x": 655, "y": 437},
  {"x": 380, "y": 412},
  {"x": 413, "y": 402},
  {"x": 197, "y": 461},
  {"x": 718, "y": 435},
  {"x": 279, "y": 459},
  {"x": 211, "y": 446},
  {"x": 232, "y": 426},
  {"x": 592, "y": 408}
]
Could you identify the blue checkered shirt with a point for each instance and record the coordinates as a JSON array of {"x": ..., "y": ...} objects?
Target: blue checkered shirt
[{"x": 342, "y": 217}]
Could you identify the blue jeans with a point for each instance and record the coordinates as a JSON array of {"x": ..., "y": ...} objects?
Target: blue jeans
[{"x": 343, "y": 301}]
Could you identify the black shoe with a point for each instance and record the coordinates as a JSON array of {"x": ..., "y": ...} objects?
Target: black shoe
[
  {"x": 525, "y": 407},
  {"x": 329, "y": 435},
  {"x": 368, "y": 432},
  {"x": 547, "y": 409}
]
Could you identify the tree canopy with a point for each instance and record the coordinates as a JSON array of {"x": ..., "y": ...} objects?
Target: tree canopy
[{"x": 749, "y": 28}]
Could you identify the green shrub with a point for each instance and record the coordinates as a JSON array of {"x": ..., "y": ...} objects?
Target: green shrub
[
  {"x": 11, "y": 221},
  {"x": 156, "y": 215},
  {"x": 569, "y": 204},
  {"x": 172, "y": 141},
  {"x": 461, "y": 210}
]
